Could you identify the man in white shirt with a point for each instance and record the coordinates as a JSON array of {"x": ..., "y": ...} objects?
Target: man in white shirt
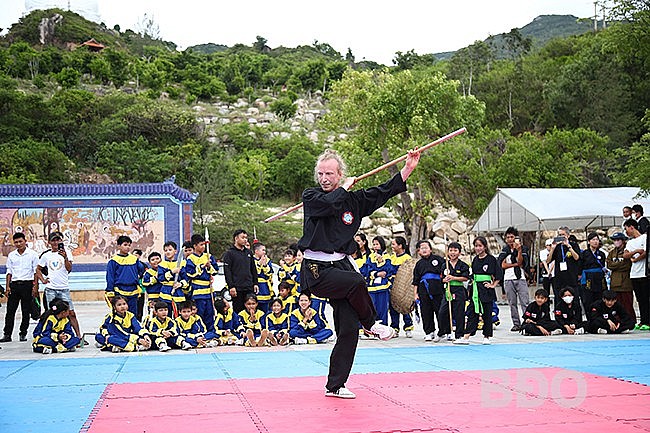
[
  {"x": 514, "y": 260},
  {"x": 635, "y": 250},
  {"x": 54, "y": 266},
  {"x": 22, "y": 286}
]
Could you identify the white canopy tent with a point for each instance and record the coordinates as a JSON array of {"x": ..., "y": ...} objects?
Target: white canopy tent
[{"x": 533, "y": 209}]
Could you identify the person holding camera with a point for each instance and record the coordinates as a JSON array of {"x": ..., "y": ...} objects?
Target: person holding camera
[
  {"x": 565, "y": 255},
  {"x": 513, "y": 260},
  {"x": 22, "y": 286},
  {"x": 53, "y": 269}
]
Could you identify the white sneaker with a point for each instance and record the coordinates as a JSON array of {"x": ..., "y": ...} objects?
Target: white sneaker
[
  {"x": 428, "y": 337},
  {"x": 579, "y": 331},
  {"x": 436, "y": 338},
  {"x": 299, "y": 340},
  {"x": 556, "y": 332},
  {"x": 462, "y": 341},
  {"x": 47, "y": 350},
  {"x": 627, "y": 331},
  {"x": 408, "y": 334},
  {"x": 602, "y": 331},
  {"x": 116, "y": 349},
  {"x": 342, "y": 392},
  {"x": 164, "y": 347},
  {"x": 239, "y": 342},
  {"x": 213, "y": 343},
  {"x": 486, "y": 340},
  {"x": 395, "y": 333},
  {"x": 140, "y": 348},
  {"x": 449, "y": 337},
  {"x": 186, "y": 346},
  {"x": 382, "y": 332},
  {"x": 98, "y": 345}
]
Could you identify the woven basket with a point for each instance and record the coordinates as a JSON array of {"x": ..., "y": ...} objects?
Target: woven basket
[{"x": 401, "y": 295}]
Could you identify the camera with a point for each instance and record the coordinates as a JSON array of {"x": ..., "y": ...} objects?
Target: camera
[
  {"x": 559, "y": 239},
  {"x": 61, "y": 246}
]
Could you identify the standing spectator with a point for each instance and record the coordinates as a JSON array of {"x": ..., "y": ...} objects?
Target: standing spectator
[
  {"x": 638, "y": 216},
  {"x": 427, "y": 288},
  {"x": 22, "y": 285},
  {"x": 547, "y": 269},
  {"x": 635, "y": 250},
  {"x": 239, "y": 270},
  {"x": 513, "y": 260},
  {"x": 592, "y": 280},
  {"x": 620, "y": 267},
  {"x": 565, "y": 254},
  {"x": 627, "y": 214},
  {"x": 58, "y": 262}
]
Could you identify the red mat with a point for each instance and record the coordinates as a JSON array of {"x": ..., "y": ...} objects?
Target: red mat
[{"x": 473, "y": 401}]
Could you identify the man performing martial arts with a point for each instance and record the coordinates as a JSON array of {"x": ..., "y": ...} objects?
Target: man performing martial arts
[{"x": 332, "y": 217}]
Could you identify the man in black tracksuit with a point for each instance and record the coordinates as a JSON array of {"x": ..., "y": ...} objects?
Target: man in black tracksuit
[
  {"x": 239, "y": 270},
  {"x": 332, "y": 218}
]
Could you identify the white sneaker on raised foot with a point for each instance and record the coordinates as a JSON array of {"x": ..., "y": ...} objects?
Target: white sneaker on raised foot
[
  {"x": 579, "y": 331},
  {"x": 342, "y": 392},
  {"x": 163, "y": 347},
  {"x": 299, "y": 340},
  {"x": 602, "y": 331},
  {"x": 382, "y": 332},
  {"x": 486, "y": 340},
  {"x": 408, "y": 334},
  {"x": 47, "y": 350},
  {"x": 556, "y": 332}
]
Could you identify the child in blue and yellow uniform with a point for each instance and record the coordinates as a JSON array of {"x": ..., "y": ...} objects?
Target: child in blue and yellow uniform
[
  {"x": 228, "y": 324},
  {"x": 289, "y": 302},
  {"x": 290, "y": 271},
  {"x": 121, "y": 331},
  {"x": 251, "y": 320},
  {"x": 172, "y": 278},
  {"x": 54, "y": 333},
  {"x": 123, "y": 271},
  {"x": 200, "y": 268},
  {"x": 399, "y": 257},
  {"x": 379, "y": 274},
  {"x": 192, "y": 329},
  {"x": 164, "y": 331},
  {"x": 277, "y": 323},
  {"x": 264, "y": 269},
  {"x": 150, "y": 277},
  {"x": 305, "y": 325}
]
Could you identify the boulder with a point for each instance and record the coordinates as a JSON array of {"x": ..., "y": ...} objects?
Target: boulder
[{"x": 459, "y": 227}]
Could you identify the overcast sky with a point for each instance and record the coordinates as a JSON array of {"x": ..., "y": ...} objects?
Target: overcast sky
[{"x": 374, "y": 30}]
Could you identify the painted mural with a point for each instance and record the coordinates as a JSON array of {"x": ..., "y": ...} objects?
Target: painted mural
[{"x": 90, "y": 233}]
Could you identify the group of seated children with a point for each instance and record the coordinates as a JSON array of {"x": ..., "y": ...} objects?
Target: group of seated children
[
  {"x": 605, "y": 316},
  {"x": 121, "y": 331}
]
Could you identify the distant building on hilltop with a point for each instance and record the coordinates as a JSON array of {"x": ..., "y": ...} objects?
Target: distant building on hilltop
[{"x": 88, "y": 9}]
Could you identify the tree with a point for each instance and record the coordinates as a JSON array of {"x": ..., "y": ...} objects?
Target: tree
[
  {"x": 259, "y": 44},
  {"x": 411, "y": 59},
  {"x": 467, "y": 64},
  {"x": 68, "y": 78}
]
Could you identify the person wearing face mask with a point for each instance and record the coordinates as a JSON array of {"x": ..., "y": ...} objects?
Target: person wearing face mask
[
  {"x": 620, "y": 267},
  {"x": 568, "y": 313}
]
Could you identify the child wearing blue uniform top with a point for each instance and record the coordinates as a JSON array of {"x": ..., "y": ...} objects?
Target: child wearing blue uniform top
[
  {"x": 54, "y": 333},
  {"x": 251, "y": 320},
  {"x": 164, "y": 331},
  {"x": 264, "y": 268},
  {"x": 123, "y": 272},
  {"x": 289, "y": 302},
  {"x": 121, "y": 331},
  {"x": 172, "y": 277},
  {"x": 305, "y": 325},
  {"x": 228, "y": 323},
  {"x": 277, "y": 323},
  {"x": 150, "y": 277},
  {"x": 290, "y": 271},
  {"x": 379, "y": 274},
  {"x": 192, "y": 329},
  {"x": 200, "y": 268}
]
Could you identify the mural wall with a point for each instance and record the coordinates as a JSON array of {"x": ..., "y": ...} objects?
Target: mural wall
[{"x": 90, "y": 233}]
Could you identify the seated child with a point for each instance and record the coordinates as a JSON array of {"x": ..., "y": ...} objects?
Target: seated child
[
  {"x": 164, "y": 330},
  {"x": 568, "y": 314},
  {"x": 288, "y": 300},
  {"x": 537, "y": 317},
  {"x": 121, "y": 331},
  {"x": 54, "y": 333},
  {"x": 608, "y": 317},
  {"x": 305, "y": 325},
  {"x": 193, "y": 330},
  {"x": 277, "y": 323},
  {"x": 228, "y": 325},
  {"x": 251, "y": 320}
]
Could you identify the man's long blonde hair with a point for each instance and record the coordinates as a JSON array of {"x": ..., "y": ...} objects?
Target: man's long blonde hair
[{"x": 331, "y": 154}]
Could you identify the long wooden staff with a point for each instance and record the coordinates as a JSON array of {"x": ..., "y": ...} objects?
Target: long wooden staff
[{"x": 376, "y": 170}]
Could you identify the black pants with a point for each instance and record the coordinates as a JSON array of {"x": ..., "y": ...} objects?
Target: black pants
[
  {"x": 457, "y": 311},
  {"x": 472, "y": 319},
  {"x": 140, "y": 307},
  {"x": 588, "y": 298},
  {"x": 547, "y": 282},
  {"x": 21, "y": 293},
  {"x": 642, "y": 292},
  {"x": 348, "y": 294},
  {"x": 239, "y": 300},
  {"x": 532, "y": 329},
  {"x": 601, "y": 323},
  {"x": 429, "y": 307}
]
